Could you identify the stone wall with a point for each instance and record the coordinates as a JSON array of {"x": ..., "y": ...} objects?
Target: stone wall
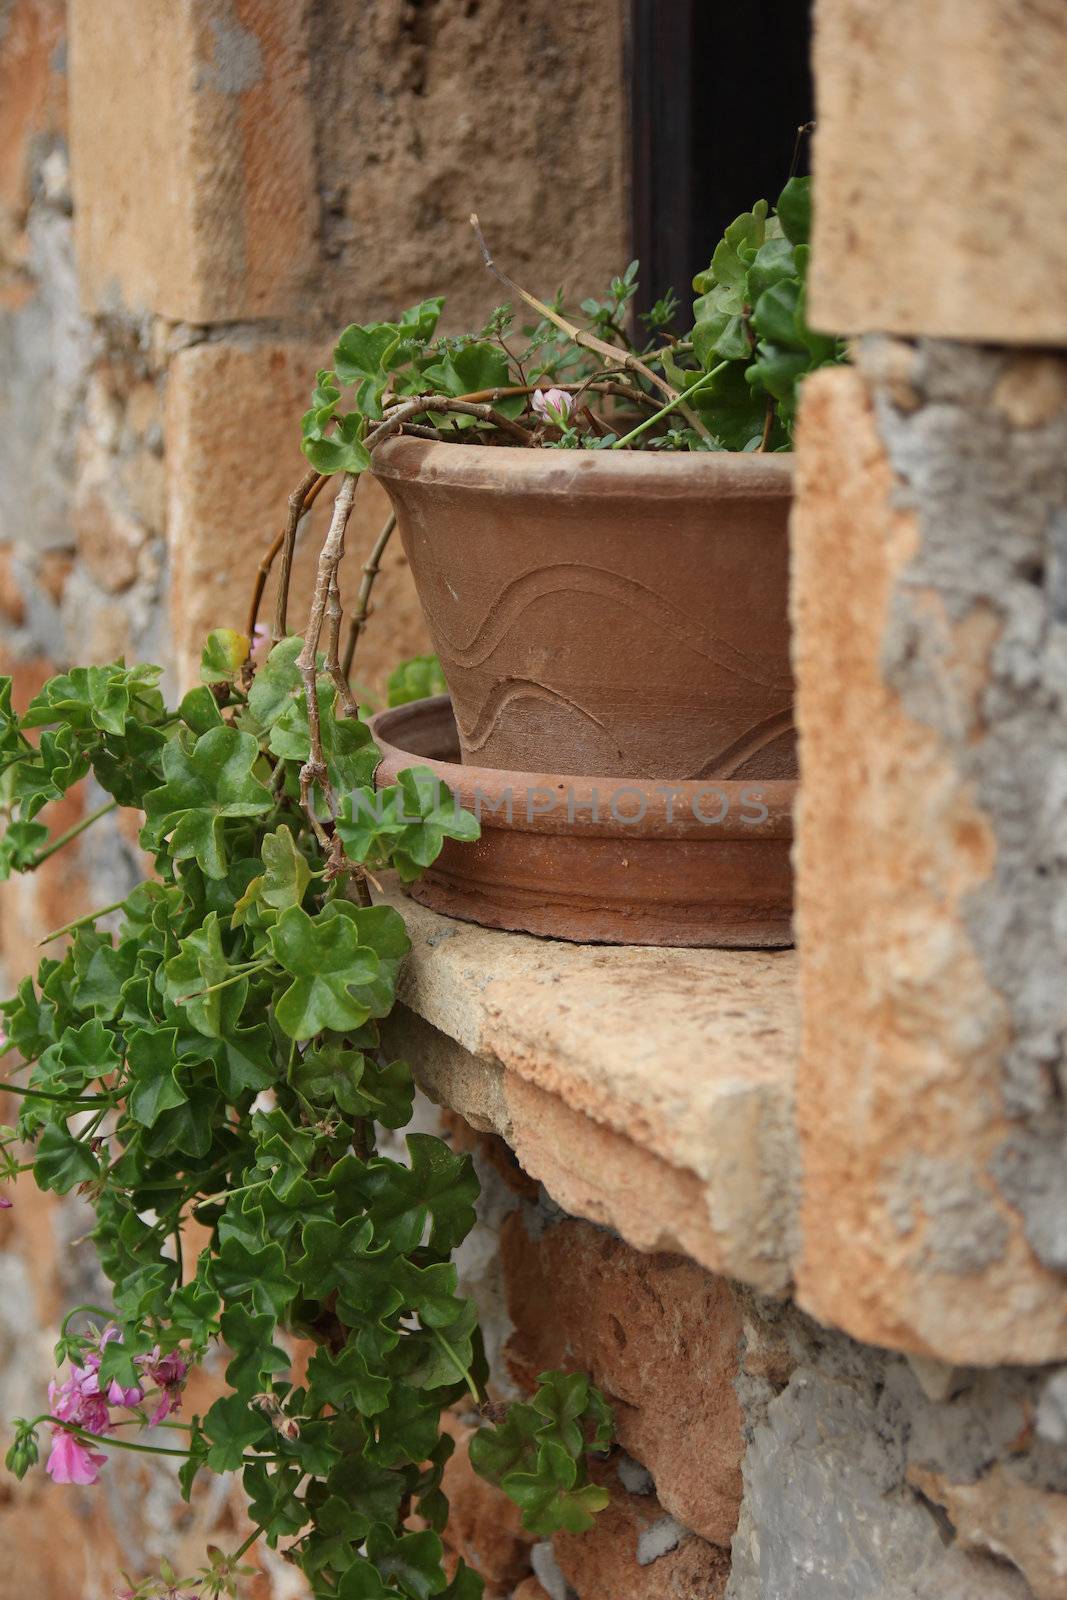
[
  {"x": 763, "y": 1456},
  {"x": 195, "y": 196},
  {"x": 930, "y": 551},
  {"x": 822, "y": 1283}
]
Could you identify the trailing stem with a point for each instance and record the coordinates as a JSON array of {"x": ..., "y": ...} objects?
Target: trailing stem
[
  {"x": 397, "y": 415},
  {"x": 301, "y": 500},
  {"x": 371, "y": 569},
  {"x": 313, "y": 772}
]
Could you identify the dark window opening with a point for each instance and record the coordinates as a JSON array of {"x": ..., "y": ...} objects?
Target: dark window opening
[{"x": 717, "y": 93}]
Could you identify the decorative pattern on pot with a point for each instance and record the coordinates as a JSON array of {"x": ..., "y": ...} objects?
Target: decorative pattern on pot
[{"x": 618, "y": 614}]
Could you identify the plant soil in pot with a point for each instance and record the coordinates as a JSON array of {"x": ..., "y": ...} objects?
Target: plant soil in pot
[
  {"x": 619, "y": 860},
  {"x": 605, "y": 612}
]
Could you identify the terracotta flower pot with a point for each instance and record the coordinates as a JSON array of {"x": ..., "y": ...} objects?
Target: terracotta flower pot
[{"x": 617, "y": 613}]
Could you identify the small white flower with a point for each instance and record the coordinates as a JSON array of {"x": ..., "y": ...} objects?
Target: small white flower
[{"x": 553, "y": 405}]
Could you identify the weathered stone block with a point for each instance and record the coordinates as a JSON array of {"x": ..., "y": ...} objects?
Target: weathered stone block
[
  {"x": 677, "y": 1133},
  {"x": 931, "y": 652},
  {"x": 941, "y": 169},
  {"x": 530, "y": 1589},
  {"x": 233, "y": 457},
  {"x": 846, "y": 1459},
  {"x": 32, "y": 108},
  {"x": 193, "y": 150},
  {"x": 658, "y": 1335},
  {"x": 409, "y": 104},
  {"x": 637, "y": 1551},
  {"x": 1010, "y": 1517}
]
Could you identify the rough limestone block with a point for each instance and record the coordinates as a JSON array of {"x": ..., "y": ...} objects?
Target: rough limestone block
[
  {"x": 650, "y": 1090},
  {"x": 847, "y": 1461},
  {"x": 941, "y": 169},
  {"x": 193, "y": 148},
  {"x": 1010, "y": 1517},
  {"x": 241, "y": 159},
  {"x": 233, "y": 457},
  {"x": 32, "y": 105},
  {"x": 930, "y": 549},
  {"x": 410, "y": 102}
]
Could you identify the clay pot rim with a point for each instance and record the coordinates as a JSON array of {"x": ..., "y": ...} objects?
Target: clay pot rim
[
  {"x": 672, "y": 815},
  {"x": 507, "y": 469}
]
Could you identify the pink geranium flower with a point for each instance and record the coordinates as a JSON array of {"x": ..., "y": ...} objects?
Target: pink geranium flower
[
  {"x": 70, "y": 1461},
  {"x": 5, "y": 1204},
  {"x": 79, "y": 1400},
  {"x": 553, "y": 405},
  {"x": 116, "y": 1394},
  {"x": 168, "y": 1373}
]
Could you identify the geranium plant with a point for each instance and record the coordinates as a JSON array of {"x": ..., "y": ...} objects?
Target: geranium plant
[
  {"x": 207, "y": 1051},
  {"x": 215, "y": 1060},
  {"x": 730, "y": 384}
]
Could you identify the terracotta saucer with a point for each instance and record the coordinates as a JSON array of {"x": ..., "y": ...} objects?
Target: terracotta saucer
[{"x": 612, "y": 860}]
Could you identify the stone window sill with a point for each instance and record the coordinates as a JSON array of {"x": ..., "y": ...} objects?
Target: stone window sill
[{"x": 647, "y": 1089}]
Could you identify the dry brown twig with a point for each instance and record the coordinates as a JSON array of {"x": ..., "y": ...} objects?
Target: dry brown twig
[
  {"x": 601, "y": 385},
  {"x": 325, "y": 606},
  {"x": 397, "y": 415},
  {"x": 301, "y": 501},
  {"x": 281, "y": 605},
  {"x": 371, "y": 569}
]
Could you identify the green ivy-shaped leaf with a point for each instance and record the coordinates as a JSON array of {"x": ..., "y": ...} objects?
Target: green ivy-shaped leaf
[
  {"x": 59, "y": 764},
  {"x": 61, "y": 1161},
  {"x": 254, "y": 1357},
  {"x": 570, "y": 1403},
  {"x": 438, "y": 1185},
  {"x": 91, "y": 697},
  {"x": 350, "y": 755},
  {"x": 537, "y": 1454},
  {"x": 204, "y": 786},
  {"x": 343, "y": 451},
  {"x": 283, "y": 883},
  {"x": 192, "y": 978},
  {"x": 81, "y": 1056},
  {"x": 334, "y": 1075},
  {"x": 362, "y": 1581},
  {"x": 345, "y": 1379},
  {"x": 260, "y": 1275},
  {"x": 735, "y": 252},
  {"x": 277, "y": 683},
  {"x": 199, "y": 710},
  {"x": 273, "y": 1499},
  {"x": 154, "y": 1086},
  {"x": 326, "y": 960},
  {"x": 435, "y": 816},
  {"x": 20, "y": 846},
  {"x": 413, "y": 1561},
  {"x": 550, "y": 1497},
  {"x": 794, "y": 210},
  {"x": 233, "y": 1426}
]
